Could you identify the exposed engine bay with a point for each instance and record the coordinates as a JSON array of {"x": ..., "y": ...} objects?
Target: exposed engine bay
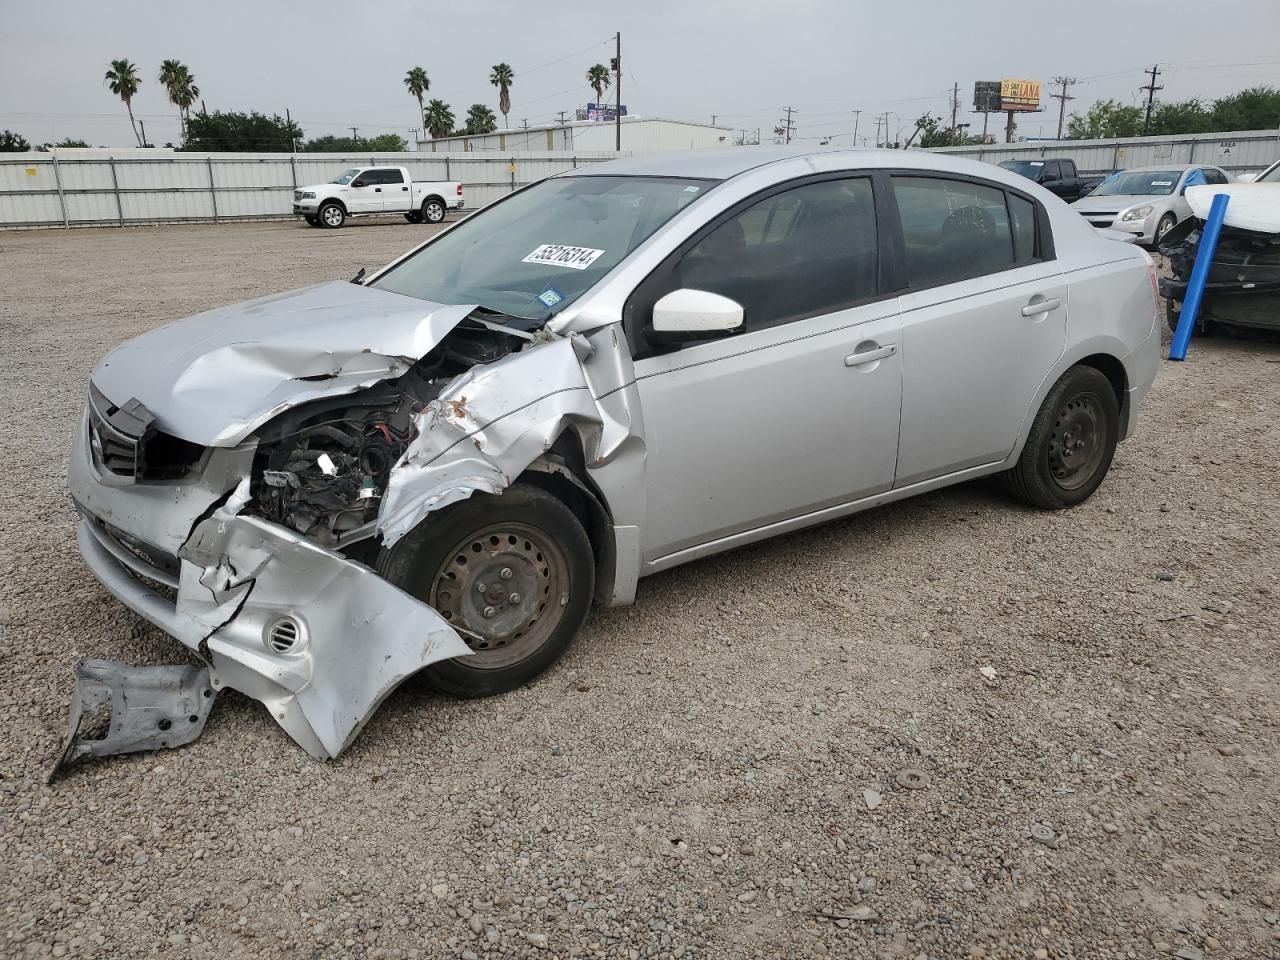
[{"x": 321, "y": 469}]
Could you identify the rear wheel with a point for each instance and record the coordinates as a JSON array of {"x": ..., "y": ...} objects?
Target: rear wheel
[
  {"x": 332, "y": 215},
  {"x": 513, "y": 574},
  {"x": 433, "y": 210},
  {"x": 1071, "y": 444}
]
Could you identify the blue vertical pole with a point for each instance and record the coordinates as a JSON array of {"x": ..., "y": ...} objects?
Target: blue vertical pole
[{"x": 1199, "y": 277}]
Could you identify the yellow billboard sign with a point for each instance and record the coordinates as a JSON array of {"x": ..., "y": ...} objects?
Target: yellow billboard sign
[{"x": 1019, "y": 94}]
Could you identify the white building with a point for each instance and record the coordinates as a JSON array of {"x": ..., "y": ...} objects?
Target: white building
[{"x": 641, "y": 134}]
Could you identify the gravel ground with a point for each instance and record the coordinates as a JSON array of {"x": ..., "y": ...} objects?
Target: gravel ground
[{"x": 712, "y": 772}]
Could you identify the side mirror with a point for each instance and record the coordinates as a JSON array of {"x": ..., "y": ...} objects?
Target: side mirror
[
  {"x": 357, "y": 183},
  {"x": 695, "y": 315}
]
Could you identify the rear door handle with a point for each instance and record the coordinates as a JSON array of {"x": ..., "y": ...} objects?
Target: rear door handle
[
  {"x": 1040, "y": 306},
  {"x": 870, "y": 356}
]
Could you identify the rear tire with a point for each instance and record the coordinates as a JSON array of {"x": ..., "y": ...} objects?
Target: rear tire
[
  {"x": 433, "y": 210},
  {"x": 332, "y": 216},
  {"x": 1071, "y": 443},
  {"x": 513, "y": 573}
]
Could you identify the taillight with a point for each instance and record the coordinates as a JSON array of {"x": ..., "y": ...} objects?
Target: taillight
[{"x": 459, "y": 189}]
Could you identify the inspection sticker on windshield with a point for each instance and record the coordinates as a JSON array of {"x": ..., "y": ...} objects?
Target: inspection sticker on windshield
[
  {"x": 1162, "y": 183},
  {"x": 550, "y": 296},
  {"x": 558, "y": 255}
]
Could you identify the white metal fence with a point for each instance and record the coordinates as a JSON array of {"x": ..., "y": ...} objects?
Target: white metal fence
[
  {"x": 47, "y": 190},
  {"x": 1246, "y": 151}
]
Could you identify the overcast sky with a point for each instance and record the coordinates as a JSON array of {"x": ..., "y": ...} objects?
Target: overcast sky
[{"x": 337, "y": 65}]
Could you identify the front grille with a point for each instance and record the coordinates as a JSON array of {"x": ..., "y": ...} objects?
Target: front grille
[
  {"x": 125, "y": 443},
  {"x": 297, "y": 194}
]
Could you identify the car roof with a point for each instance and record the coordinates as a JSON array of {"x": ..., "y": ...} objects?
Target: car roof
[{"x": 722, "y": 163}]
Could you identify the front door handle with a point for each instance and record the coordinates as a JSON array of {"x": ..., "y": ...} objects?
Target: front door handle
[
  {"x": 1036, "y": 307},
  {"x": 377, "y": 189},
  {"x": 870, "y": 356}
]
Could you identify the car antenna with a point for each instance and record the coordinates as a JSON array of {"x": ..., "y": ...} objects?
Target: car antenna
[{"x": 359, "y": 276}]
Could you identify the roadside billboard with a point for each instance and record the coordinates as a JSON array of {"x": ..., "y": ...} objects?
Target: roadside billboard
[{"x": 1019, "y": 94}]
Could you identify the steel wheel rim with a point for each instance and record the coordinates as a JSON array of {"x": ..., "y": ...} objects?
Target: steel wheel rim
[
  {"x": 504, "y": 589},
  {"x": 332, "y": 216},
  {"x": 1076, "y": 445}
]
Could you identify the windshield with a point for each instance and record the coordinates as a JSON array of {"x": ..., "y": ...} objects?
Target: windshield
[
  {"x": 1138, "y": 183},
  {"x": 532, "y": 255},
  {"x": 1031, "y": 169},
  {"x": 346, "y": 176}
]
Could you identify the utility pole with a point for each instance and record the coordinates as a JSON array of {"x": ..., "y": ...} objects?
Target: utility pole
[
  {"x": 788, "y": 127},
  {"x": 1151, "y": 89},
  {"x": 857, "y": 115},
  {"x": 143, "y": 125},
  {"x": 355, "y": 133},
  {"x": 955, "y": 108},
  {"x": 617, "y": 89},
  {"x": 713, "y": 119},
  {"x": 562, "y": 115},
  {"x": 288, "y": 125},
  {"x": 1062, "y": 99}
]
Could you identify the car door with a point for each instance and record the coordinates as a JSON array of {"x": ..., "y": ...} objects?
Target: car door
[
  {"x": 983, "y": 320},
  {"x": 365, "y": 193},
  {"x": 797, "y": 412},
  {"x": 395, "y": 191}
]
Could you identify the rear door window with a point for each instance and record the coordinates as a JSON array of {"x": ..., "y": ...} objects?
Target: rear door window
[
  {"x": 953, "y": 230},
  {"x": 390, "y": 176}
]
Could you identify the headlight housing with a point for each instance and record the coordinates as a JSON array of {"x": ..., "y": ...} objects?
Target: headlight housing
[
  {"x": 308, "y": 195},
  {"x": 1138, "y": 213}
]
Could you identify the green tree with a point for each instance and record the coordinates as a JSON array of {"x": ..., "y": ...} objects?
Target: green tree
[
  {"x": 932, "y": 133},
  {"x": 480, "y": 119},
  {"x": 438, "y": 119},
  {"x": 241, "y": 132},
  {"x": 1106, "y": 118},
  {"x": 123, "y": 81},
  {"x": 503, "y": 77},
  {"x": 62, "y": 144},
  {"x": 417, "y": 83},
  {"x": 181, "y": 88},
  {"x": 598, "y": 80},
  {"x": 1185, "y": 116},
  {"x": 1257, "y": 108},
  {"x": 383, "y": 143},
  {"x": 11, "y": 142}
]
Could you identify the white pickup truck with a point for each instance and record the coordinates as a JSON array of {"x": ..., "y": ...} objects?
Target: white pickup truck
[{"x": 362, "y": 190}]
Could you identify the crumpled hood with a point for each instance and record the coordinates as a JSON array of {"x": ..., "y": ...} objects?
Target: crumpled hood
[{"x": 215, "y": 377}]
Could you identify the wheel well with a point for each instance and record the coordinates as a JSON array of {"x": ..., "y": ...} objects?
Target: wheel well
[
  {"x": 562, "y": 473},
  {"x": 1113, "y": 370},
  {"x": 332, "y": 200},
  {"x": 436, "y": 197}
]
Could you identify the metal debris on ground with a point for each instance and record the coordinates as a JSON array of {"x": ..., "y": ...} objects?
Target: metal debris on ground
[
  {"x": 1041, "y": 833},
  {"x": 120, "y": 708}
]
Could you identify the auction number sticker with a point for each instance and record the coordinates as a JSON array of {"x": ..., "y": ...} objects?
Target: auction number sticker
[{"x": 558, "y": 255}]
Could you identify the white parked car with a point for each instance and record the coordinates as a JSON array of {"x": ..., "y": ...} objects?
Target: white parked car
[
  {"x": 1146, "y": 202},
  {"x": 365, "y": 190},
  {"x": 606, "y": 374}
]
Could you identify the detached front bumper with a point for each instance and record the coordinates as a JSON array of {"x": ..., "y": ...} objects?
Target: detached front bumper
[{"x": 320, "y": 639}]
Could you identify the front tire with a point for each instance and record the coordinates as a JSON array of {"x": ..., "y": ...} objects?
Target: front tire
[
  {"x": 513, "y": 574},
  {"x": 433, "y": 210},
  {"x": 1167, "y": 223},
  {"x": 1071, "y": 444},
  {"x": 332, "y": 215}
]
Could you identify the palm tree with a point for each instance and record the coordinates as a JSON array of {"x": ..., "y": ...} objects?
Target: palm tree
[
  {"x": 598, "y": 80},
  {"x": 438, "y": 119},
  {"x": 480, "y": 119},
  {"x": 417, "y": 82},
  {"x": 124, "y": 81},
  {"x": 181, "y": 87},
  {"x": 502, "y": 78}
]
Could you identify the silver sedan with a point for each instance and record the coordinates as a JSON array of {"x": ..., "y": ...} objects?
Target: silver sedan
[
  {"x": 1146, "y": 202},
  {"x": 607, "y": 374}
]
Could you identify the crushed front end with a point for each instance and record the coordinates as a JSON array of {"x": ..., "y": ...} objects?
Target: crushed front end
[{"x": 1244, "y": 277}]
